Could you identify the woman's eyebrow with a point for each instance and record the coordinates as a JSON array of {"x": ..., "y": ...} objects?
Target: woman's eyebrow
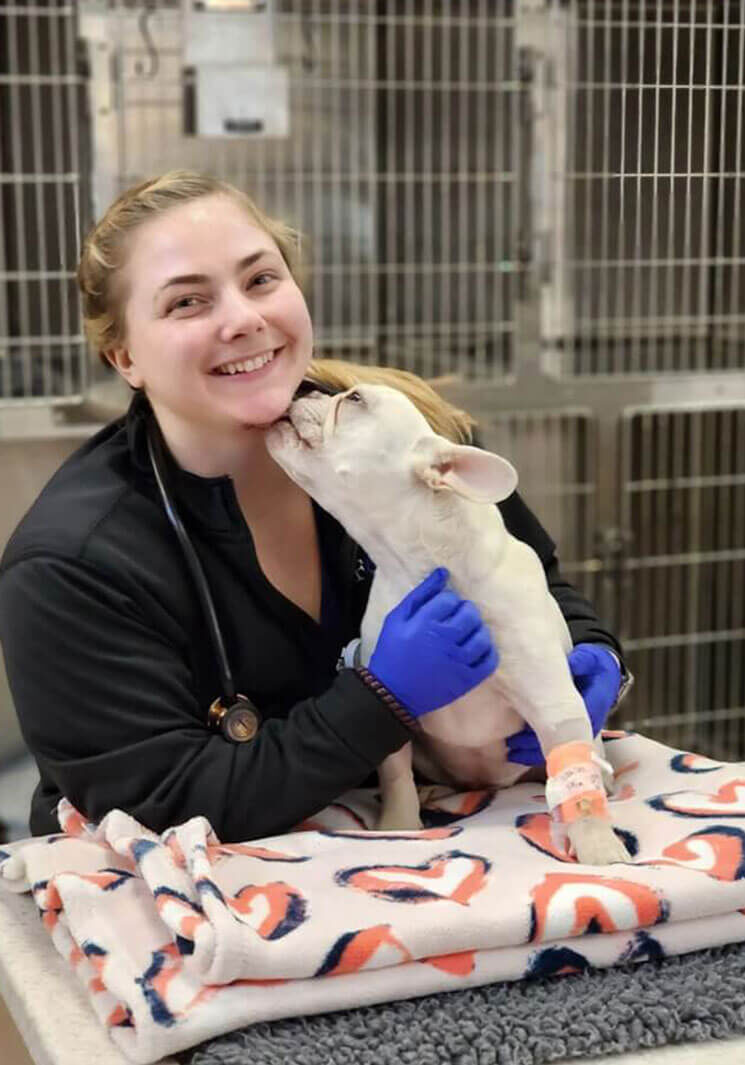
[
  {"x": 184, "y": 279},
  {"x": 200, "y": 279}
]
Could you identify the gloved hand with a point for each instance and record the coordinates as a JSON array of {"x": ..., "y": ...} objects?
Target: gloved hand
[
  {"x": 597, "y": 676},
  {"x": 433, "y": 647}
]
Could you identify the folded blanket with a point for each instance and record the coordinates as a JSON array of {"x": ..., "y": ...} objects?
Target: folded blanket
[{"x": 179, "y": 937}]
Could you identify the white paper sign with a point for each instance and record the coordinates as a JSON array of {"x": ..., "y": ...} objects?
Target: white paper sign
[{"x": 242, "y": 101}]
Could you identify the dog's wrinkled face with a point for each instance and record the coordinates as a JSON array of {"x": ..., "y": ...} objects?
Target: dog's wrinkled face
[
  {"x": 363, "y": 449},
  {"x": 357, "y": 440}
]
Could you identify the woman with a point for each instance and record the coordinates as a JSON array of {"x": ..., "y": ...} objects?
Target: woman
[{"x": 189, "y": 291}]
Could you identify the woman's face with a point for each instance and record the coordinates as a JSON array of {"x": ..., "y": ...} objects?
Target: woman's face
[{"x": 217, "y": 331}]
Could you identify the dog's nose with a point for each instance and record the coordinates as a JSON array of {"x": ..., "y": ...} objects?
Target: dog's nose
[{"x": 307, "y": 387}]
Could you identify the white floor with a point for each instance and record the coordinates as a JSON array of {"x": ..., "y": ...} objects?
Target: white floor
[{"x": 17, "y": 782}]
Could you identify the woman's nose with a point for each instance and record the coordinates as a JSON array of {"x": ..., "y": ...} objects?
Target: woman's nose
[{"x": 239, "y": 316}]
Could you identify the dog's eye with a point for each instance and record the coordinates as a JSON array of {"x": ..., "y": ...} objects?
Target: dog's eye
[{"x": 355, "y": 397}]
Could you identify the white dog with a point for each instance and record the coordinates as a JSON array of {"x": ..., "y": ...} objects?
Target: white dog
[{"x": 413, "y": 501}]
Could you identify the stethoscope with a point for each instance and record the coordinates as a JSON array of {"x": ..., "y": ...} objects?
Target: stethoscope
[{"x": 231, "y": 713}]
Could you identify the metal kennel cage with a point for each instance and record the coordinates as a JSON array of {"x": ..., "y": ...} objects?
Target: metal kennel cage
[{"x": 538, "y": 203}]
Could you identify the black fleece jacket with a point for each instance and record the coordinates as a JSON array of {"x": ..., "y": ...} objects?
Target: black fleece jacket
[{"x": 111, "y": 667}]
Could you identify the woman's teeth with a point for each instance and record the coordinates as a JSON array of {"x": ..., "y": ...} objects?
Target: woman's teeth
[{"x": 246, "y": 365}]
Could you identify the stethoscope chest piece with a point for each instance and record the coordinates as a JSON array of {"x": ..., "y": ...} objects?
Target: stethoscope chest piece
[{"x": 238, "y": 722}]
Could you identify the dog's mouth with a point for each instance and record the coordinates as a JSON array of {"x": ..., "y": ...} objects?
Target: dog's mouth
[
  {"x": 305, "y": 417},
  {"x": 299, "y": 437},
  {"x": 288, "y": 423}
]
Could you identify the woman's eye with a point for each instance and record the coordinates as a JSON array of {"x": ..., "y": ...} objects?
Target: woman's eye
[
  {"x": 262, "y": 279},
  {"x": 186, "y": 303}
]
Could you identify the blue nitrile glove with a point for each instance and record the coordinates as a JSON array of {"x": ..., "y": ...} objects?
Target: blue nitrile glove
[
  {"x": 433, "y": 647},
  {"x": 597, "y": 677}
]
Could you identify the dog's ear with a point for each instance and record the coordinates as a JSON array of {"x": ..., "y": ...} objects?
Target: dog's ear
[{"x": 474, "y": 474}]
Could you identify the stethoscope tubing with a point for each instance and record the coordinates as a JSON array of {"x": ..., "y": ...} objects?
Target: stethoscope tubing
[
  {"x": 158, "y": 462},
  {"x": 233, "y": 713}
]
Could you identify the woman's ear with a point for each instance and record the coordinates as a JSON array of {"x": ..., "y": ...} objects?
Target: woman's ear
[
  {"x": 121, "y": 360},
  {"x": 474, "y": 474}
]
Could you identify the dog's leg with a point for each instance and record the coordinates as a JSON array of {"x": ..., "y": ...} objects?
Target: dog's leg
[
  {"x": 595, "y": 843},
  {"x": 575, "y": 790},
  {"x": 609, "y": 781},
  {"x": 577, "y": 798},
  {"x": 398, "y": 794}
]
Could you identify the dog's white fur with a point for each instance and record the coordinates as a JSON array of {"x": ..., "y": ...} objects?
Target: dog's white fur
[{"x": 413, "y": 500}]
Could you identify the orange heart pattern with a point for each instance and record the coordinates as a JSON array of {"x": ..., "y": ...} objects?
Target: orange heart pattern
[
  {"x": 438, "y": 812},
  {"x": 337, "y": 816},
  {"x": 567, "y": 904},
  {"x": 461, "y": 964},
  {"x": 369, "y": 948},
  {"x": 693, "y": 763},
  {"x": 272, "y": 910},
  {"x": 719, "y": 852},
  {"x": 536, "y": 829},
  {"x": 454, "y": 877},
  {"x": 727, "y": 801},
  {"x": 169, "y": 995}
]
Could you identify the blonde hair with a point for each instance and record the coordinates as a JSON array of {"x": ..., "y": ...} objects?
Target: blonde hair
[
  {"x": 105, "y": 248},
  {"x": 445, "y": 419},
  {"x": 103, "y": 296}
]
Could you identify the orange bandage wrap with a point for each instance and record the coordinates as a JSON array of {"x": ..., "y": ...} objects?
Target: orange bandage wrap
[{"x": 574, "y": 788}]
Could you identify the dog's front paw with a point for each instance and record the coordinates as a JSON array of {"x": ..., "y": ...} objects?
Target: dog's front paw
[
  {"x": 431, "y": 794},
  {"x": 594, "y": 842},
  {"x": 399, "y": 820}
]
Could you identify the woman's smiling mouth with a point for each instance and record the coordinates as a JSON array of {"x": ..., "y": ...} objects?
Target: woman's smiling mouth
[{"x": 245, "y": 366}]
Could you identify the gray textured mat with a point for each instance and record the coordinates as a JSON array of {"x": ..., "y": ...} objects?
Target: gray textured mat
[{"x": 691, "y": 998}]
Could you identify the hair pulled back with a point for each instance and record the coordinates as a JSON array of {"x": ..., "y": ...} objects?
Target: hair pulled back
[{"x": 104, "y": 253}]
